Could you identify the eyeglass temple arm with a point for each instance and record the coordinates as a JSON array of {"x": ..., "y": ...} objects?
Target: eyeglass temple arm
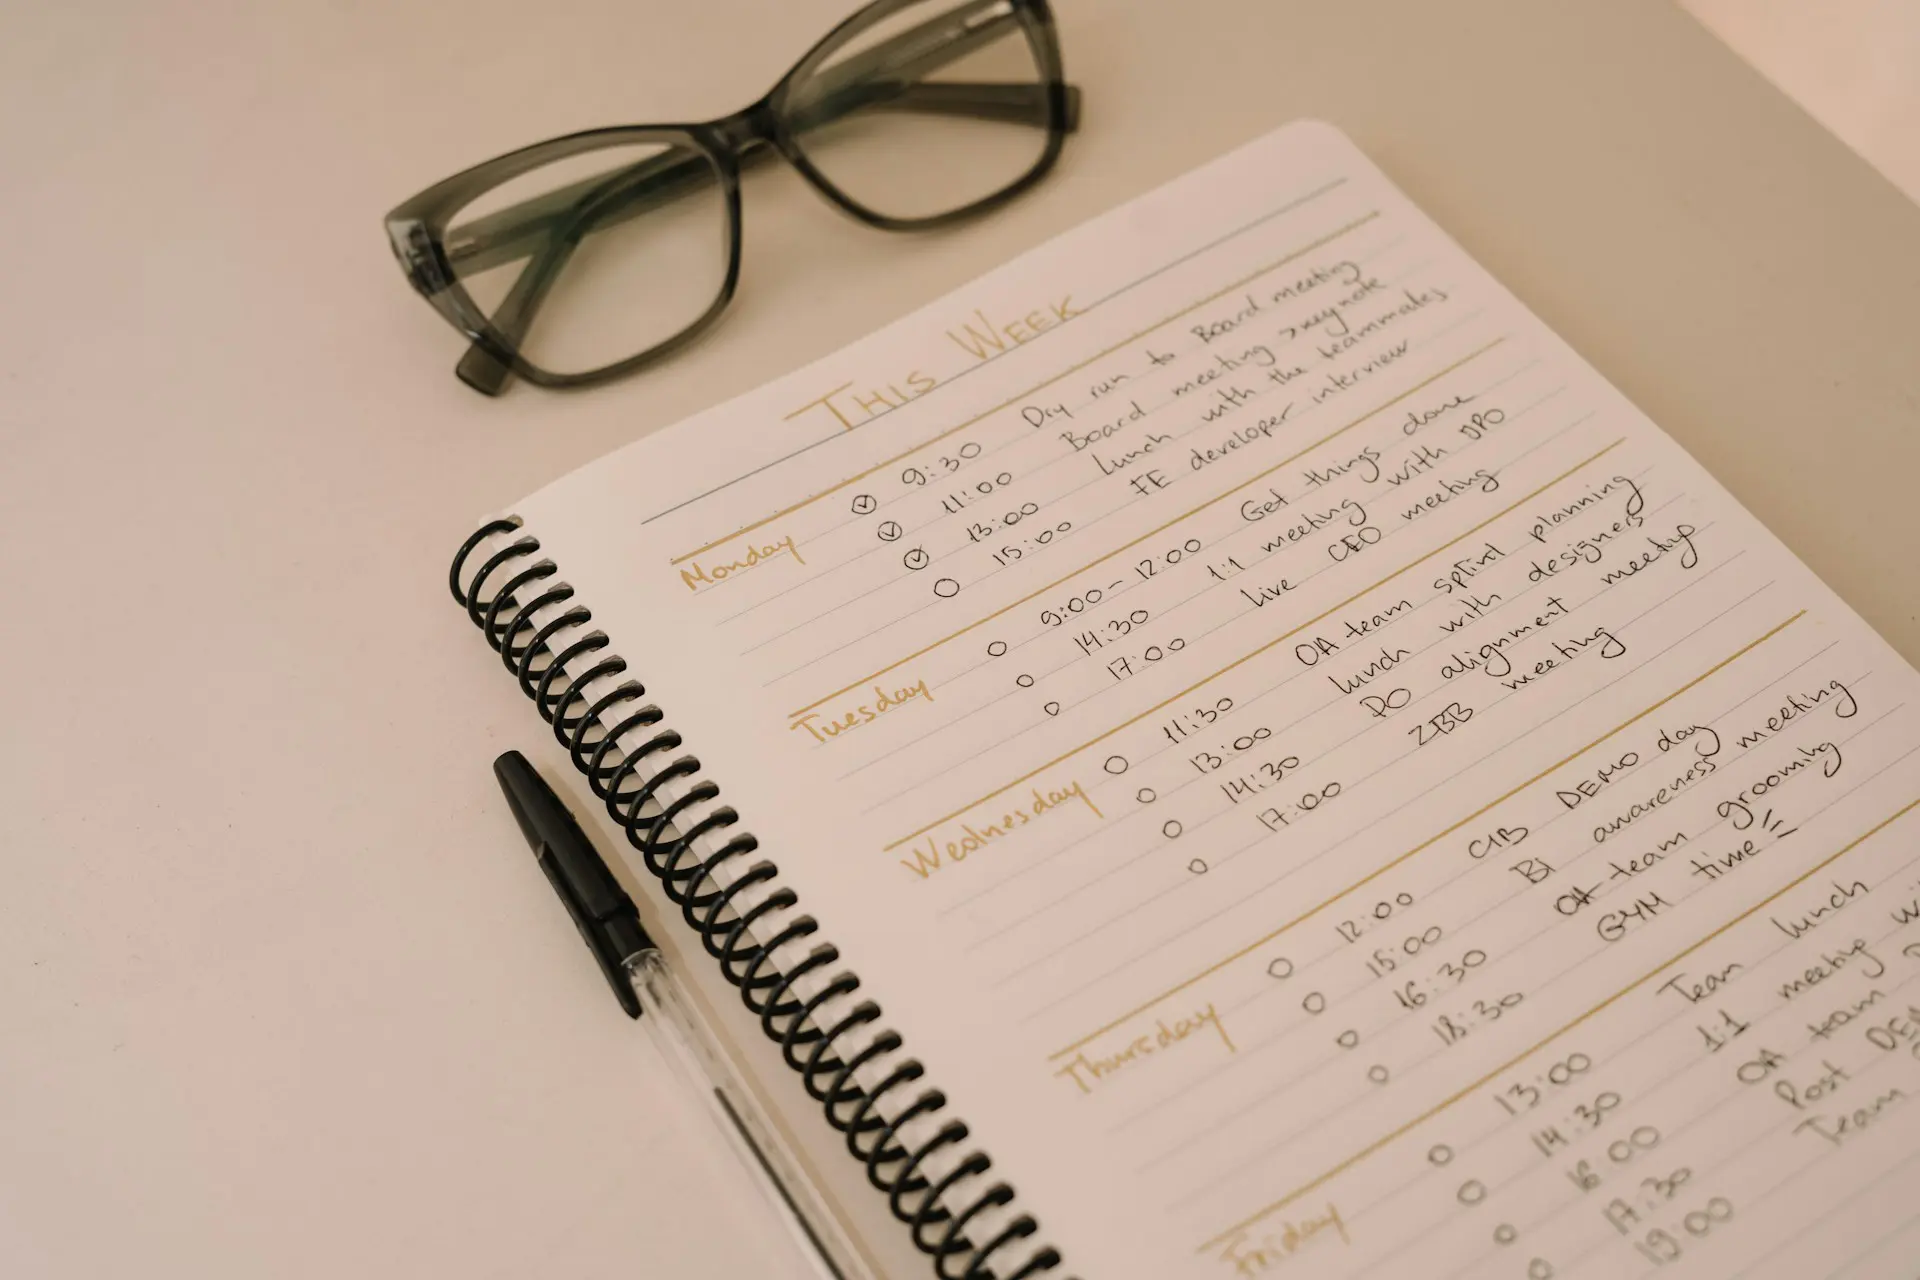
[
  {"x": 987, "y": 100},
  {"x": 552, "y": 222},
  {"x": 503, "y": 235},
  {"x": 520, "y": 229}
]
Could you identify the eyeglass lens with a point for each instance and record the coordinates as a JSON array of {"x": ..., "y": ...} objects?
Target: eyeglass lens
[
  {"x": 930, "y": 109},
  {"x": 611, "y": 252}
]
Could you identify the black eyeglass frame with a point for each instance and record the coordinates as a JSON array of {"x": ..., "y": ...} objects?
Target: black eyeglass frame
[{"x": 418, "y": 227}]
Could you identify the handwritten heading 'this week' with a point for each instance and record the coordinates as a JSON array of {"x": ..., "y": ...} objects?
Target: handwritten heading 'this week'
[{"x": 981, "y": 335}]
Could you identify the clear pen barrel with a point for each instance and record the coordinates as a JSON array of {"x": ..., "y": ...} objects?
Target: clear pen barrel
[{"x": 765, "y": 1157}]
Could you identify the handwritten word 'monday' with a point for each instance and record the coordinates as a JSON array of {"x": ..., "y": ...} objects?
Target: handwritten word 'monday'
[{"x": 756, "y": 554}]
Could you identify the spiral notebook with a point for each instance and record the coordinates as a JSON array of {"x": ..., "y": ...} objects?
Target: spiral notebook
[{"x": 1223, "y": 748}]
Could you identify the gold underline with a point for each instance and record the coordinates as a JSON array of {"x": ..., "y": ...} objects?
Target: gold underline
[
  {"x": 1254, "y": 653},
  {"x": 1509, "y": 1064},
  {"x": 1322, "y": 242},
  {"x": 1375, "y": 874},
  {"x": 1151, "y": 533}
]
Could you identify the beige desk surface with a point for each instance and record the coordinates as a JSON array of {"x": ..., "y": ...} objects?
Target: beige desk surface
[{"x": 281, "y": 992}]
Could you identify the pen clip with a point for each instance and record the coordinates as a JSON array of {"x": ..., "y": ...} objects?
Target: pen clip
[
  {"x": 610, "y": 952},
  {"x": 608, "y": 921}
]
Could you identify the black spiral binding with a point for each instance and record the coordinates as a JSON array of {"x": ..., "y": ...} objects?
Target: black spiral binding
[{"x": 594, "y": 731}]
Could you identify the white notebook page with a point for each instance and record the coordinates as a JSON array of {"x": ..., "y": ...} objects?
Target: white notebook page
[{"x": 1324, "y": 784}]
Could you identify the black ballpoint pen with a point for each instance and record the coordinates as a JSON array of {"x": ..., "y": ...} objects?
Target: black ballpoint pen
[{"x": 610, "y": 925}]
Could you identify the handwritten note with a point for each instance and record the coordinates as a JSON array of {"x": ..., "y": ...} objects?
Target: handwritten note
[{"x": 1323, "y": 784}]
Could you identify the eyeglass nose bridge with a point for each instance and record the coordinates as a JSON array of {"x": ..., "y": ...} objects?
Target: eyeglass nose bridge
[{"x": 749, "y": 129}]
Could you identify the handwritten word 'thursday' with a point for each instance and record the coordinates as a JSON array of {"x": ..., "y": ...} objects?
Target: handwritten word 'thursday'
[
  {"x": 935, "y": 853},
  {"x": 1088, "y": 1070},
  {"x": 865, "y": 713},
  {"x": 756, "y": 554}
]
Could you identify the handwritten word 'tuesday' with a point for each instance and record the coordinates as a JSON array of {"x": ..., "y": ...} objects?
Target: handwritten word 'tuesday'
[{"x": 864, "y": 714}]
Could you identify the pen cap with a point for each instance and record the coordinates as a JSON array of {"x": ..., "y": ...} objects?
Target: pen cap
[{"x": 544, "y": 818}]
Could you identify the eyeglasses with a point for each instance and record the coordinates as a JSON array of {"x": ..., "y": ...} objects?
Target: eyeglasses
[{"x": 910, "y": 114}]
